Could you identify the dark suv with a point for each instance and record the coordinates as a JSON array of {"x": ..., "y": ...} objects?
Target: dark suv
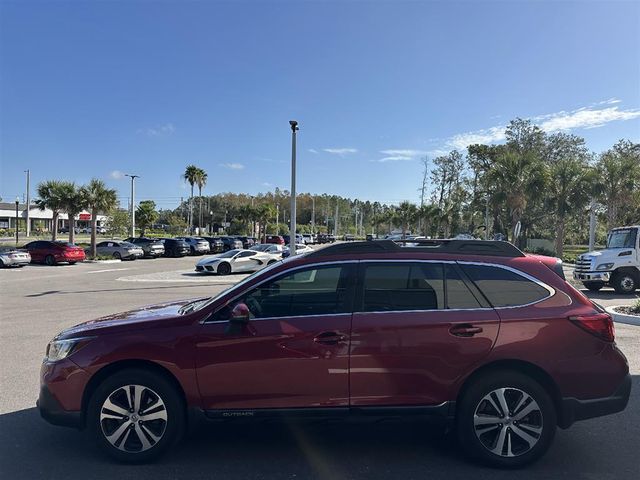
[{"x": 476, "y": 334}]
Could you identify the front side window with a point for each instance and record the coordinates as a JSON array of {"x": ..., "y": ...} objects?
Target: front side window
[
  {"x": 622, "y": 238},
  {"x": 403, "y": 286},
  {"x": 504, "y": 288},
  {"x": 315, "y": 291}
]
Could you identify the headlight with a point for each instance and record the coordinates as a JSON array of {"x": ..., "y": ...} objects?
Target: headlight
[
  {"x": 604, "y": 266},
  {"x": 60, "y": 349}
]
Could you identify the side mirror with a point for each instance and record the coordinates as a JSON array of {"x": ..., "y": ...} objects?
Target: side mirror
[{"x": 240, "y": 314}]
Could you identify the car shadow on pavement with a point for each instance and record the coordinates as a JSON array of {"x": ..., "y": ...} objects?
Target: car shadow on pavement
[{"x": 599, "y": 448}]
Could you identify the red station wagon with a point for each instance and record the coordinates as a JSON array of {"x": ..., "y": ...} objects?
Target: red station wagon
[{"x": 477, "y": 334}]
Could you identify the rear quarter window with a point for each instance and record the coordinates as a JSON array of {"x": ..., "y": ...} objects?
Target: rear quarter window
[{"x": 505, "y": 288}]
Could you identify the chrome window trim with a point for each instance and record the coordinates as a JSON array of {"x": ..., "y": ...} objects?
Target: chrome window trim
[{"x": 548, "y": 288}]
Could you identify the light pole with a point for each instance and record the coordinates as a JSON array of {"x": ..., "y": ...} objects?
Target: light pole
[
  {"x": 17, "y": 217},
  {"x": 292, "y": 232},
  {"x": 313, "y": 214},
  {"x": 28, "y": 230},
  {"x": 210, "y": 222},
  {"x": 133, "y": 203}
]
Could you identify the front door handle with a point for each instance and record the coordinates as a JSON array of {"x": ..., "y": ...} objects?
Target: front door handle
[
  {"x": 465, "y": 330},
  {"x": 329, "y": 338}
]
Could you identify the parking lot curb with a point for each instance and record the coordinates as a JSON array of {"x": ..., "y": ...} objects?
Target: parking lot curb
[
  {"x": 102, "y": 261},
  {"x": 623, "y": 317}
]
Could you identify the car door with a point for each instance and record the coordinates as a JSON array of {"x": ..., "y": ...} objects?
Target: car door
[
  {"x": 247, "y": 261},
  {"x": 414, "y": 334},
  {"x": 35, "y": 250},
  {"x": 294, "y": 352}
]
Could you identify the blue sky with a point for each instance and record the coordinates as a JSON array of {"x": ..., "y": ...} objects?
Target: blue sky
[{"x": 101, "y": 88}]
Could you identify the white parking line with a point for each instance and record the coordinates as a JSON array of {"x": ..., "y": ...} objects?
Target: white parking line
[{"x": 110, "y": 270}]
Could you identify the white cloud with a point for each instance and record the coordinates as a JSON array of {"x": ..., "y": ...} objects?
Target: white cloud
[
  {"x": 587, "y": 117},
  {"x": 232, "y": 166},
  {"x": 313, "y": 150},
  {"x": 116, "y": 174},
  {"x": 267, "y": 184},
  {"x": 166, "y": 129},
  {"x": 340, "y": 151},
  {"x": 394, "y": 158},
  {"x": 594, "y": 116},
  {"x": 404, "y": 152}
]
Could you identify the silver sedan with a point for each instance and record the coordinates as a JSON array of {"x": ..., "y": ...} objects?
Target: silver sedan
[
  {"x": 119, "y": 250},
  {"x": 12, "y": 257}
]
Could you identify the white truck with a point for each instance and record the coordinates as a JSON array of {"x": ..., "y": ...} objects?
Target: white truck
[{"x": 618, "y": 265}]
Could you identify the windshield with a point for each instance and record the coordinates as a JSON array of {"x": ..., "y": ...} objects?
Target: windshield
[{"x": 622, "y": 238}]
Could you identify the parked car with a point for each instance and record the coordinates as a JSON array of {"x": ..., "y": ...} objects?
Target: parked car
[
  {"x": 52, "y": 253},
  {"x": 308, "y": 239},
  {"x": 371, "y": 237},
  {"x": 235, "y": 261},
  {"x": 300, "y": 249},
  {"x": 349, "y": 237},
  {"x": 322, "y": 238},
  {"x": 175, "y": 248},
  {"x": 269, "y": 248},
  {"x": 247, "y": 242},
  {"x": 152, "y": 247},
  {"x": 287, "y": 239},
  {"x": 475, "y": 333},
  {"x": 216, "y": 245},
  {"x": 231, "y": 243},
  {"x": 12, "y": 257},
  {"x": 197, "y": 245},
  {"x": 276, "y": 239},
  {"x": 119, "y": 250}
]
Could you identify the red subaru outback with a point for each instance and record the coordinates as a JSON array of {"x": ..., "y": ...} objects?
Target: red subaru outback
[{"x": 475, "y": 333}]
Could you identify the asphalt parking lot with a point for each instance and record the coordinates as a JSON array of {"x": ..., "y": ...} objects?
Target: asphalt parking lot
[{"x": 36, "y": 302}]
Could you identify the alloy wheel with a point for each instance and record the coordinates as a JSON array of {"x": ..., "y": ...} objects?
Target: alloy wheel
[
  {"x": 508, "y": 422},
  {"x": 133, "y": 418}
]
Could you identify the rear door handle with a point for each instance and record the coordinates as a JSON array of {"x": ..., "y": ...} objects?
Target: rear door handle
[
  {"x": 465, "y": 330},
  {"x": 329, "y": 338}
]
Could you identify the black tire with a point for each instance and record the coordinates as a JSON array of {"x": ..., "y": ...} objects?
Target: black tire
[
  {"x": 193, "y": 250},
  {"x": 129, "y": 448},
  {"x": 593, "y": 286},
  {"x": 50, "y": 260},
  {"x": 224, "y": 269},
  {"x": 117, "y": 255},
  {"x": 1, "y": 263},
  {"x": 508, "y": 429},
  {"x": 624, "y": 282},
  {"x": 72, "y": 263}
]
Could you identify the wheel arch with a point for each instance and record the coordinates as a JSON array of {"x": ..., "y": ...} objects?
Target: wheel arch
[
  {"x": 120, "y": 365},
  {"x": 522, "y": 367},
  {"x": 634, "y": 271}
]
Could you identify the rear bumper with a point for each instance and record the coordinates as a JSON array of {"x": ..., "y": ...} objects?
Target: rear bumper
[
  {"x": 51, "y": 410},
  {"x": 574, "y": 409}
]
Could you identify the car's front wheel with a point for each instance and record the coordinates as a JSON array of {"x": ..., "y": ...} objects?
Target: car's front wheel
[
  {"x": 224, "y": 269},
  {"x": 136, "y": 415},
  {"x": 506, "y": 419},
  {"x": 594, "y": 286},
  {"x": 624, "y": 282}
]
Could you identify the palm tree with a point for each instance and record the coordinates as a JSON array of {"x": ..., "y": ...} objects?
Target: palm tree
[
  {"x": 406, "y": 214},
  {"x": 428, "y": 213},
  {"x": 190, "y": 176},
  {"x": 201, "y": 181},
  {"x": 146, "y": 215},
  {"x": 51, "y": 195},
  {"x": 73, "y": 201},
  {"x": 264, "y": 213},
  {"x": 247, "y": 214},
  {"x": 99, "y": 198}
]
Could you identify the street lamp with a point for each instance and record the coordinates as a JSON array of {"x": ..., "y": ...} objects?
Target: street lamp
[
  {"x": 210, "y": 222},
  {"x": 133, "y": 203},
  {"x": 17, "y": 202},
  {"x": 292, "y": 232}
]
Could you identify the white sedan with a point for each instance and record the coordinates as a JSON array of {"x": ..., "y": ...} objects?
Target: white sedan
[
  {"x": 236, "y": 261},
  {"x": 300, "y": 249}
]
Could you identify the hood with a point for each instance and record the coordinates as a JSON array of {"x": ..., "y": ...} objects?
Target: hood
[
  {"x": 144, "y": 317},
  {"x": 208, "y": 261}
]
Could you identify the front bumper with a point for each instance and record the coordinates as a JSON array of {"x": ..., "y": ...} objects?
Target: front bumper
[
  {"x": 592, "y": 276},
  {"x": 51, "y": 410},
  {"x": 207, "y": 268},
  {"x": 573, "y": 409}
]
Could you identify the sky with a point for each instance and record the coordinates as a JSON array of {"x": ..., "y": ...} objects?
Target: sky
[{"x": 102, "y": 88}]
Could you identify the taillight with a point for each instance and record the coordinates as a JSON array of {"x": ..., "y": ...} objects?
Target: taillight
[{"x": 597, "y": 324}]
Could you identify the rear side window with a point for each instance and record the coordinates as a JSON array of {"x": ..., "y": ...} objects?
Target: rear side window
[
  {"x": 458, "y": 294},
  {"x": 403, "y": 286},
  {"x": 504, "y": 288}
]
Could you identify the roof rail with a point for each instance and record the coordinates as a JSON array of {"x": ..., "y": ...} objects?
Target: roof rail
[{"x": 460, "y": 247}]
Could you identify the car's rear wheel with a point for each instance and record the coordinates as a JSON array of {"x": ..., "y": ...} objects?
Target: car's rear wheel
[
  {"x": 624, "y": 282},
  {"x": 224, "y": 269},
  {"x": 594, "y": 286},
  {"x": 506, "y": 419},
  {"x": 50, "y": 260},
  {"x": 117, "y": 255},
  {"x": 73, "y": 262},
  {"x": 136, "y": 415}
]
